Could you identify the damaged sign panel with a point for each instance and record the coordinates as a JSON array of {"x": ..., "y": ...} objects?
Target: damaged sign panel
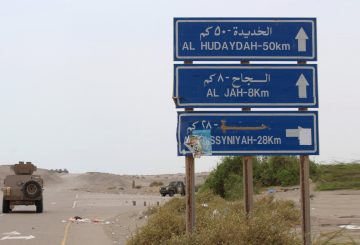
[
  {"x": 248, "y": 133},
  {"x": 245, "y": 86},
  {"x": 245, "y": 39}
]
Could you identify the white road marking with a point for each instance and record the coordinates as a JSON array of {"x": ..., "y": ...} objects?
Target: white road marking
[
  {"x": 17, "y": 237},
  {"x": 77, "y": 196},
  {"x": 74, "y": 205}
]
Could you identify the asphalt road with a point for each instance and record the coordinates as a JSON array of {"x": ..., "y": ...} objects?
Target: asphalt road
[{"x": 24, "y": 226}]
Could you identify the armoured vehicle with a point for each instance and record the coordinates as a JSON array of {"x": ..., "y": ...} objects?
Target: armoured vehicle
[
  {"x": 23, "y": 188},
  {"x": 174, "y": 187}
]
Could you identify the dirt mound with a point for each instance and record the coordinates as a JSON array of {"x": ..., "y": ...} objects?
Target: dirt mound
[
  {"x": 103, "y": 182},
  {"x": 50, "y": 178},
  {"x": 106, "y": 182},
  {"x": 130, "y": 184}
]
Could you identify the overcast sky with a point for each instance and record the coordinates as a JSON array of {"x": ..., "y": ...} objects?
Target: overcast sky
[{"x": 87, "y": 85}]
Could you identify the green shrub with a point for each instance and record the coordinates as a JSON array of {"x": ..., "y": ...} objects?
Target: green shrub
[
  {"x": 226, "y": 179},
  {"x": 338, "y": 176},
  {"x": 218, "y": 181},
  {"x": 156, "y": 183},
  {"x": 233, "y": 186}
]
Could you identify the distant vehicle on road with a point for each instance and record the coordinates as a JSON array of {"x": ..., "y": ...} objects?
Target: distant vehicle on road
[
  {"x": 174, "y": 187},
  {"x": 23, "y": 188}
]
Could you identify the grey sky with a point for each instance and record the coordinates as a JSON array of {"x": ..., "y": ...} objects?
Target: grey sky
[{"x": 86, "y": 85}]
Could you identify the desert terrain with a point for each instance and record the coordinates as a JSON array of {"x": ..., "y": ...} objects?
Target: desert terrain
[{"x": 102, "y": 208}]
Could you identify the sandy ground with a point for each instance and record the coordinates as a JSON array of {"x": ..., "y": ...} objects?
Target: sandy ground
[
  {"x": 330, "y": 210},
  {"x": 110, "y": 197}
]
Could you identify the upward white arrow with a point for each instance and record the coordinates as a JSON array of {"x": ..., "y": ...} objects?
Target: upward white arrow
[
  {"x": 302, "y": 83},
  {"x": 301, "y": 37}
]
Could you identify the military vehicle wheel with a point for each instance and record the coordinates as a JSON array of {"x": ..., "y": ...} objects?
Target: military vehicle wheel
[
  {"x": 32, "y": 189},
  {"x": 39, "y": 206},
  {"x": 171, "y": 193},
  {"x": 6, "y": 206}
]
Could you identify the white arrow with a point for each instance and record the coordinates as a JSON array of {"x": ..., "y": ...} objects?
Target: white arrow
[
  {"x": 302, "y": 83},
  {"x": 17, "y": 237},
  {"x": 301, "y": 37},
  {"x": 303, "y": 134}
]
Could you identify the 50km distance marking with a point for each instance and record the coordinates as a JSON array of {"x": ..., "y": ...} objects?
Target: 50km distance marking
[
  {"x": 245, "y": 86},
  {"x": 245, "y": 39}
]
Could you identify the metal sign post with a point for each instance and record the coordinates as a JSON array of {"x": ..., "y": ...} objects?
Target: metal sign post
[
  {"x": 248, "y": 183},
  {"x": 190, "y": 193},
  {"x": 190, "y": 186},
  {"x": 305, "y": 199},
  {"x": 305, "y": 192}
]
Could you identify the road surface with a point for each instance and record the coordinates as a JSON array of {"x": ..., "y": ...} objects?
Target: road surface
[{"x": 109, "y": 218}]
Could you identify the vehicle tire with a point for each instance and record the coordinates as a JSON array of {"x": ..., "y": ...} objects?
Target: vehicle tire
[
  {"x": 6, "y": 206},
  {"x": 39, "y": 206},
  {"x": 32, "y": 189},
  {"x": 171, "y": 193},
  {"x": 163, "y": 194}
]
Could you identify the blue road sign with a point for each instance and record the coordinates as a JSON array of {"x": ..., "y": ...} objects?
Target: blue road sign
[
  {"x": 247, "y": 133},
  {"x": 245, "y": 39},
  {"x": 245, "y": 86}
]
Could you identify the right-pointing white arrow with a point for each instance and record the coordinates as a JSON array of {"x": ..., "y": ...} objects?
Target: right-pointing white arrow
[
  {"x": 303, "y": 134},
  {"x": 301, "y": 37},
  {"x": 302, "y": 83}
]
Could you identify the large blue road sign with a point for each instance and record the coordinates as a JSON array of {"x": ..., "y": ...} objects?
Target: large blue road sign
[
  {"x": 247, "y": 133},
  {"x": 245, "y": 39},
  {"x": 245, "y": 86}
]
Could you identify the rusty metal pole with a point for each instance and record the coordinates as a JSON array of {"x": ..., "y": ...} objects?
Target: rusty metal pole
[
  {"x": 305, "y": 199},
  {"x": 190, "y": 186},
  {"x": 248, "y": 174},
  {"x": 190, "y": 194},
  {"x": 305, "y": 192}
]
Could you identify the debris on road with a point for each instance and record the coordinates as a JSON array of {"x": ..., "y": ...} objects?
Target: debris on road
[{"x": 78, "y": 220}]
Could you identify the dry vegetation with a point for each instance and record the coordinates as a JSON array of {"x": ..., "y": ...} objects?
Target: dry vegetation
[{"x": 221, "y": 222}]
